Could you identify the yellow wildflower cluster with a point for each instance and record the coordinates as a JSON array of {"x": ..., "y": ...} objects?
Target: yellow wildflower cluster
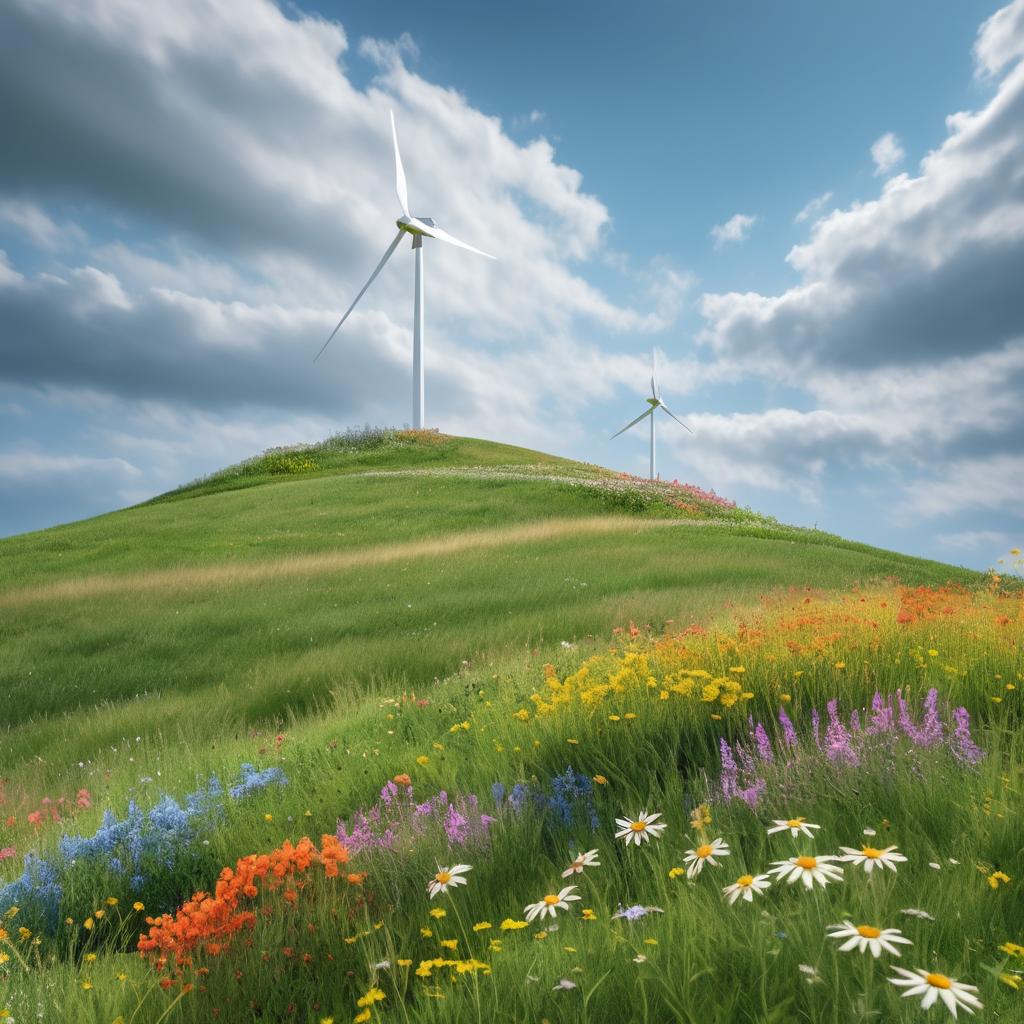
[{"x": 630, "y": 675}]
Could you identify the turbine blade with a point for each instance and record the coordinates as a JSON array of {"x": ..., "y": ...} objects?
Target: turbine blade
[
  {"x": 400, "y": 186},
  {"x": 654, "y": 380},
  {"x": 387, "y": 256},
  {"x": 633, "y": 423},
  {"x": 443, "y": 236},
  {"x": 675, "y": 417}
]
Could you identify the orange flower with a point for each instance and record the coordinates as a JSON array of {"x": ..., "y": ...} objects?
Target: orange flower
[{"x": 402, "y": 780}]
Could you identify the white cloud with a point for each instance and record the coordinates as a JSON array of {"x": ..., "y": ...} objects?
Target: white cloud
[
  {"x": 989, "y": 483},
  {"x": 28, "y": 464},
  {"x": 735, "y": 229},
  {"x": 813, "y": 208},
  {"x": 887, "y": 153},
  {"x": 1000, "y": 39},
  {"x": 9, "y": 277},
  {"x": 971, "y": 540}
]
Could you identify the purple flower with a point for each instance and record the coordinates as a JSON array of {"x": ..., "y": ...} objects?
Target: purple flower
[
  {"x": 788, "y": 729},
  {"x": 730, "y": 773},
  {"x": 964, "y": 748},
  {"x": 881, "y": 714},
  {"x": 837, "y": 738},
  {"x": 816, "y": 727},
  {"x": 931, "y": 727},
  {"x": 764, "y": 746}
]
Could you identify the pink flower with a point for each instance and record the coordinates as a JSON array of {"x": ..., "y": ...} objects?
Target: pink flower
[{"x": 6, "y": 852}]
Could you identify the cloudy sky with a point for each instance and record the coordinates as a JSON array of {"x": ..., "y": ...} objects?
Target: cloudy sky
[{"x": 814, "y": 212}]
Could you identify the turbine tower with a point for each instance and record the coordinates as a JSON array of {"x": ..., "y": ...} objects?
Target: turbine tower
[
  {"x": 655, "y": 404},
  {"x": 418, "y": 228}
]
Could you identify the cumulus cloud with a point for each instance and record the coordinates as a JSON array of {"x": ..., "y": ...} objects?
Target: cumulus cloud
[
  {"x": 971, "y": 540},
  {"x": 887, "y": 153},
  {"x": 735, "y": 229}
]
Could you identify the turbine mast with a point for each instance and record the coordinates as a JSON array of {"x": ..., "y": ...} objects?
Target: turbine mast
[
  {"x": 417, "y": 338},
  {"x": 652, "y": 444}
]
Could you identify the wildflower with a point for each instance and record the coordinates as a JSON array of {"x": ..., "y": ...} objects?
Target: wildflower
[
  {"x": 1012, "y": 949},
  {"x": 446, "y": 877},
  {"x": 564, "y": 985},
  {"x": 584, "y": 860},
  {"x": 138, "y": 907},
  {"x": 640, "y": 959},
  {"x": 694, "y": 859},
  {"x": 508, "y": 925},
  {"x": 425, "y": 933},
  {"x": 423, "y": 760},
  {"x": 914, "y": 912},
  {"x": 808, "y": 870},
  {"x": 796, "y": 826},
  {"x": 996, "y": 877},
  {"x": 866, "y": 936},
  {"x": 634, "y": 913},
  {"x": 700, "y": 816},
  {"x": 451, "y": 944},
  {"x": 481, "y": 926},
  {"x": 745, "y": 886},
  {"x": 373, "y": 995},
  {"x": 870, "y": 858},
  {"x": 588, "y": 914},
  {"x": 551, "y": 903},
  {"x": 600, "y": 780},
  {"x": 810, "y": 972},
  {"x": 363, "y": 1016},
  {"x": 676, "y": 872},
  {"x": 641, "y": 829},
  {"x": 937, "y": 986},
  {"x": 438, "y": 912},
  {"x": 1013, "y": 980}
]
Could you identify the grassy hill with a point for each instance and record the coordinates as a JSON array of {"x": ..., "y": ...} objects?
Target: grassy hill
[
  {"x": 380, "y": 560},
  {"x": 250, "y": 658}
]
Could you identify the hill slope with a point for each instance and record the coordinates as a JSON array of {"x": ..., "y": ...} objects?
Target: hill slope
[{"x": 263, "y": 591}]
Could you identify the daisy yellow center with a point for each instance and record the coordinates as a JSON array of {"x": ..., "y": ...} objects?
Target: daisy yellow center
[
  {"x": 444, "y": 877},
  {"x": 638, "y": 826},
  {"x": 871, "y": 853},
  {"x": 807, "y": 863},
  {"x": 745, "y": 881},
  {"x": 795, "y": 822},
  {"x": 551, "y": 899},
  {"x": 704, "y": 851},
  {"x": 868, "y": 932},
  {"x": 939, "y": 981}
]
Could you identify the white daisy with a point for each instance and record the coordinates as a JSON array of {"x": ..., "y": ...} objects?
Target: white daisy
[
  {"x": 446, "y": 877},
  {"x": 564, "y": 985},
  {"x": 866, "y": 936},
  {"x": 551, "y": 903},
  {"x": 808, "y": 870},
  {"x": 745, "y": 886},
  {"x": 584, "y": 860},
  {"x": 694, "y": 859},
  {"x": 640, "y": 829},
  {"x": 937, "y": 986},
  {"x": 796, "y": 826},
  {"x": 870, "y": 857}
]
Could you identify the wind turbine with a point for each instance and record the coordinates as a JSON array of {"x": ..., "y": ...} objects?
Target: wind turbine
[
  {"x": 419, "y": 228},
  {"x": 655, "y": 404}
]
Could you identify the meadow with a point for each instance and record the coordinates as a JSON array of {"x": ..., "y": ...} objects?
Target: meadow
[{"x": 614, "y": 763}]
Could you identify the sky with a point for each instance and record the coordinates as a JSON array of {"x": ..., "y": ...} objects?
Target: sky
[{"x": 812, "y": 213}]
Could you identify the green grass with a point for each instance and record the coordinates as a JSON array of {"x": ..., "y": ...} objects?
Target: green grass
[{"x": 277, "y": 613}]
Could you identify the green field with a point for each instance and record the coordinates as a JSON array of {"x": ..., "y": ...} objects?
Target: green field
[{"x": 286, "y": 612}]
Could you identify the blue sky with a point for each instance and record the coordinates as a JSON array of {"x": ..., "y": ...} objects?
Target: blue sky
[{"x": 194, "y": 193}]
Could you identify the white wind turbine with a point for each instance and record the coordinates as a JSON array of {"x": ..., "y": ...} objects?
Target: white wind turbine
[
  {"x": 419, "y": 228},
  {"x": 655, "y": 404}
]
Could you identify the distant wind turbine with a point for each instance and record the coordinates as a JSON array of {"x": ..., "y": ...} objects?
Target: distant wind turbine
[
  {"x": 655, "y": 404},
  {"x": 419, "y": 228}
]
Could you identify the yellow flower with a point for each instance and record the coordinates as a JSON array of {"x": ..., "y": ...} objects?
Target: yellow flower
[
  {"x": 1014, "y": 551},
  {"x": 540, "y": 936},
  {"x": 996, "y": 877},
  {"x": 651, "y": 942},
  {"x": 522, "y": 714},
  {"x": 600, "y": 780},
  {"x": 663, "y": 695},
  {"x": 840, "y": 664},
  {"x": 99, "y": 914},
  {"x": 87, "y": 924},
  {"x": 573, "y": 742},
  {"x": 3, "y": 959},
  {"x": 326, "y": 1020},
  {"x": 111, "y": 901},
  {"x": 1012, "y": 949},
  {"x": 423, "y": 760},
  {"x": 362, "y": 1016},
  {"x": 508, "y": 925},
  {"x": 425, "y": 933},
  {"x": 738, "y": 669},
  {"x": 676, "y": 872},
  {"x": 268, "y": 817},
  {"x": 481, "y": 926},
  {"x": 437, "y": 746},
  {"x": 613, "y": 718},
  {"x": 90, "y": 957},
  {"x": 785, "y": 697},
  {"x": 373, "y": 995},
  {"x": 404, "y": 963},
  {"x": 121, "y": 976},
  {"x": 629, "y": 716},
  {"x": 495, "y": 946},
  {"x": 137, "y": 906},
  {"x": 24, "y": 933},
  {"x": 589, "y": 915},
  {"x": 87, "y": 984},
  {"x": 438, "y": 912},
  {"x": 451, "y": 944}
]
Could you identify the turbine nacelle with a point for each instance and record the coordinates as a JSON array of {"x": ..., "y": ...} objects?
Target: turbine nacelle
[{"x": 416, "y": 225}]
